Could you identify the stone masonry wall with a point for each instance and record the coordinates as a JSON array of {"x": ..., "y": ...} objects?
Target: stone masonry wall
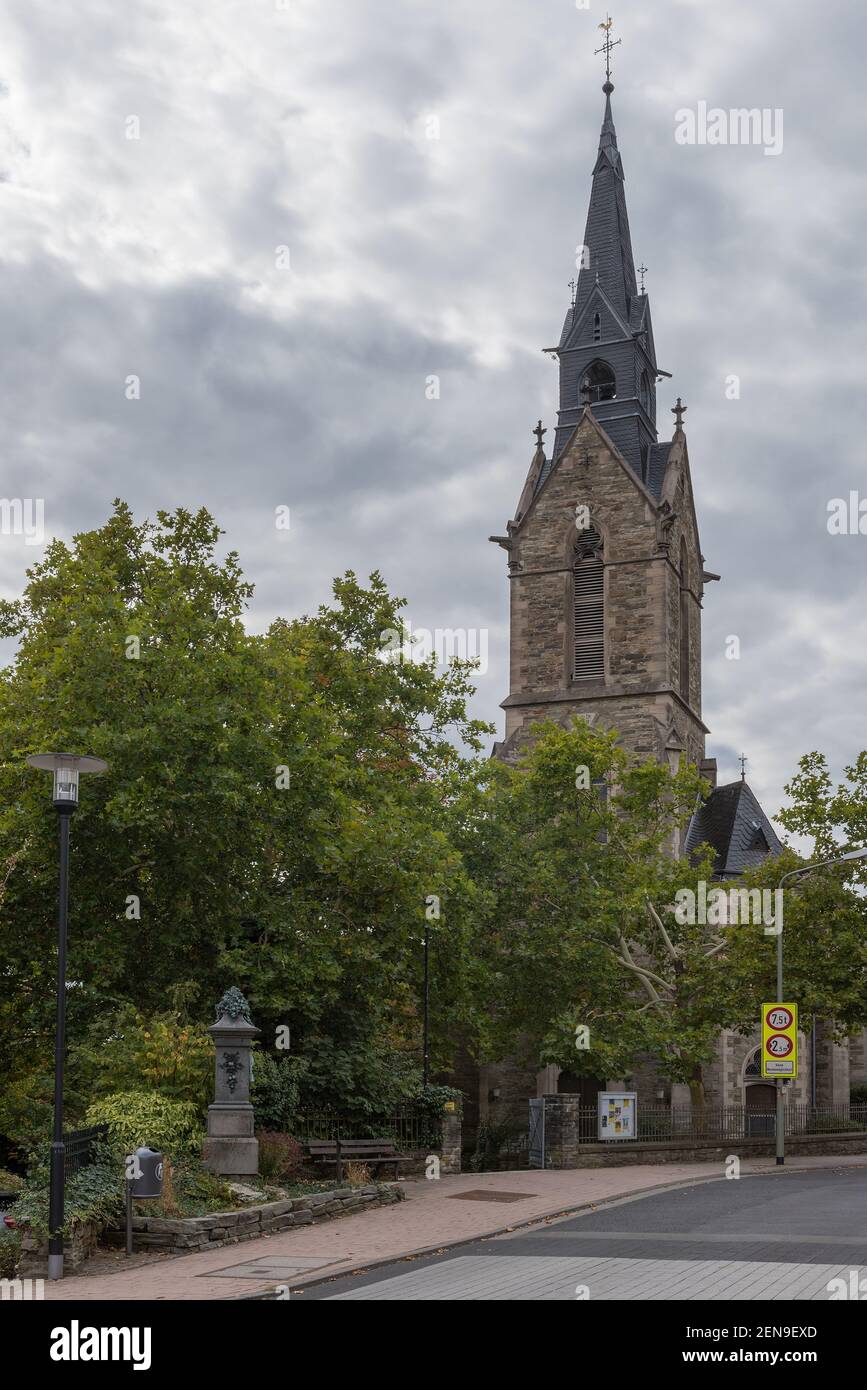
[
  {"x": 229, "y": 1227},
  {"x": 639, "y": 693}
]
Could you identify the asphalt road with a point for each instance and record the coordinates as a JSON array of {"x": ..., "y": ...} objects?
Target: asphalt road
[{"x": 780, "y": 1236}]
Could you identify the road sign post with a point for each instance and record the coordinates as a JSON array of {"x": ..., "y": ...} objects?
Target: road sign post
[{"x": 780, "y": 1058}]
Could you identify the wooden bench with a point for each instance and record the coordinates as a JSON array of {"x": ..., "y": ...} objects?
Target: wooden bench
[{"x": 376, "y": 1152}]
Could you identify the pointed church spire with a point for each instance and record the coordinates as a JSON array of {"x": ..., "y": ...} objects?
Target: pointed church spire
[
  {"x": 606, "y": 352},
  {"x": 607, "y": 258}
]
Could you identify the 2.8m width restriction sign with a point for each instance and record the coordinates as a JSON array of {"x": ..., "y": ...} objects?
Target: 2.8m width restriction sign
[{"x": 780, "y": 1040}]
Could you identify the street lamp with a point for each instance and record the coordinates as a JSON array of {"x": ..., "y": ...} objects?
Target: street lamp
[
  {"x": 796, "y": 873},
  {"x": 66, "y": 768}
]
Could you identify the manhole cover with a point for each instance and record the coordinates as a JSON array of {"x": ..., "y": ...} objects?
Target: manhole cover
[
  {"x": 484, "y": 1194},
  {"x": 269, "y": 1267}
]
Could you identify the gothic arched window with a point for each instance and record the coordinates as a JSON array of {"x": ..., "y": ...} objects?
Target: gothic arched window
[
  {"x": 645, "y": 391},
  {"x": 588, "y": 607},
  {"x": 684, "y": 621},
  {"x": 599, "y": 381},
  {"x": 597, "y": 328}
]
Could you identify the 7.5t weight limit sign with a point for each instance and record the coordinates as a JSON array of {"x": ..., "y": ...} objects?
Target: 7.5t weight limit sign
[{"x": 780, "y": 1040}]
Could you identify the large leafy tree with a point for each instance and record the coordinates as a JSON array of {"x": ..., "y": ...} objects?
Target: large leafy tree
[
  {"x": 575, "y": 849},
  {"x": 576, "y": 852},
  {"x": 272, "y": 812}
]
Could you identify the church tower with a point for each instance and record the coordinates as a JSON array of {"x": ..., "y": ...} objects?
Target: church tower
[{"x": 605, "y": 564}]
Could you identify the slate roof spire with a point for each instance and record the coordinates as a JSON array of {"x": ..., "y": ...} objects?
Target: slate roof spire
[{"x": 608, "y": 259}]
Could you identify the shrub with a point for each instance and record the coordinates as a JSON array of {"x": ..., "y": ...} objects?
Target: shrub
[
  {"x": 280, "y": 1155},
  {"x": 94, "y": 1193},
  {"x": 145, "y": 1117},
  {"x": 189, "y": 1190},
  {"x": 10, "y": 1248},
  {"x": 129, "y": 1051},
  {"x": 275, "y": 1090}
]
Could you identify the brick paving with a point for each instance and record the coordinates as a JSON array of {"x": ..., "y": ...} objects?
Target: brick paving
[
  {"x": 426, "y": 1221},
  {"x": 559, "y": 1279}
]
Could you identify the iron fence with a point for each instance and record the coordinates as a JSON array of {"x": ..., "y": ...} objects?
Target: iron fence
[
  {"x": 408, "y": 1126},
  {"x": 681, "y": 1124},
  {"x": 80, "y": 1147}
]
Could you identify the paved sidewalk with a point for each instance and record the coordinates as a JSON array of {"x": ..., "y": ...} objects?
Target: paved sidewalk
[{"x": 430, "y": 1218}]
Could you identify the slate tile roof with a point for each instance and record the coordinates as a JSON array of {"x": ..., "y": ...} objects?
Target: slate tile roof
[{"x": 733, "y": 823}]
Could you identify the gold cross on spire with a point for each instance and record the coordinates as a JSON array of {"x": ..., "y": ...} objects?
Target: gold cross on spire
[{"x": 606, "y": 49}]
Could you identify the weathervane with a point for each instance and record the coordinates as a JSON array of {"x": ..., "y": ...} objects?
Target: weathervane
[
  {"x": 606, "y": 49},
  {"x": 642, "y": 270}
]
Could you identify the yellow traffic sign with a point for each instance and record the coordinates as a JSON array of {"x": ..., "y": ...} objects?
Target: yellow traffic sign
[{"x": 780, "y": 1041}]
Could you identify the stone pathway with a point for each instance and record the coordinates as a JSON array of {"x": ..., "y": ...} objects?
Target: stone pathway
[{"x": 427, "y": 1221}]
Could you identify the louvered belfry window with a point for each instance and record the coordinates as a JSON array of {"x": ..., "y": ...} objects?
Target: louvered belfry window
[{"x": 588, "y": 603}]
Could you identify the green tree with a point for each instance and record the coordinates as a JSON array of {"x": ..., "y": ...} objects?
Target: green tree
[{"x": 272, "y": 815}]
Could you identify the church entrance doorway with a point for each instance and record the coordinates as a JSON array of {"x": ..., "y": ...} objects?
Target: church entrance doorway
[
  {"x": 760, "y": 1107},
  {"x": 586, "y": 1088}
]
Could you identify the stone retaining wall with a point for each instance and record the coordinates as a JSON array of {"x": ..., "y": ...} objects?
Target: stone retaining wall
[
  {"x": 616, "y": 1155},
  {"x": 77, "y": 1247},
  {"x": 184, "y": 1233}
]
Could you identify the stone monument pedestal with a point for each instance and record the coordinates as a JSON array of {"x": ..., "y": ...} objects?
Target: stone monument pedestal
[{"x": 230, "y": 1148}]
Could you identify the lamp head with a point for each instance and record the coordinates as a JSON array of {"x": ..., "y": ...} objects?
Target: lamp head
[{"x": 66, "y": 768}]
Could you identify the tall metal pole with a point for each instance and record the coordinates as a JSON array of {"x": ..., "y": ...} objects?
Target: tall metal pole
[
  {"x": 426, "y": 1041},
  {"x": 57, "y": 1172},
  {"x": 781, "y": 1102}
]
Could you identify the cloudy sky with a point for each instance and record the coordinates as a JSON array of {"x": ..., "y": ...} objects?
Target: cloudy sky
[{"x": 330, "y": 201}]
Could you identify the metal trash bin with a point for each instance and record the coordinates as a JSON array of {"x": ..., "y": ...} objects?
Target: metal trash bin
[
  {"x": 144, "y": 1182},
  {"x": 147, "y": 1179}
]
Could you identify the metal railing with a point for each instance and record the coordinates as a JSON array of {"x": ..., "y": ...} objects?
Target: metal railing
[
  {"x": 681, "y": 1124},
  {"x": 80, "y": 1147},
  {"x": 408, "y": 1126}
]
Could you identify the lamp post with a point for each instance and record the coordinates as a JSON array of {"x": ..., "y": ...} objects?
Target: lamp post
[
  {"x": 66, "y": 768},
  {"x": 797, "y": 873},
  {"x": 426, "y": 1028}
]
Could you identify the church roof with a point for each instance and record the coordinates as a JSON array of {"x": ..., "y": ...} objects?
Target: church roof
[
  {"x": 656, "y": 465},
  {"x": 607, "y": 233},
  {"x": 733, "y": 823}
]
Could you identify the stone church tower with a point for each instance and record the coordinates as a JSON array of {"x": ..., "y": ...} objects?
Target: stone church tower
[
  {"x": 605, "y": 563},
  {"x": 607, "y": 582}
]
